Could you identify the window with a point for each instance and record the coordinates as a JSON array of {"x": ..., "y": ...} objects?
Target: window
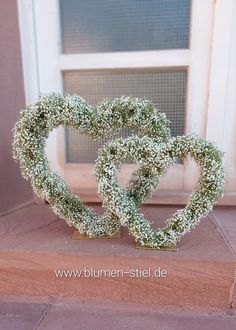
[
  {"x": 158, "y": 49},
  {"x": 127, "y": 26},
  {"x": 165, "y": 87},
  {"x": 92, "y": 26}
]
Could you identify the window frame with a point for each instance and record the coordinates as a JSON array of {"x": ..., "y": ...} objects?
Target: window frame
[{"x": 40, "y": 23}]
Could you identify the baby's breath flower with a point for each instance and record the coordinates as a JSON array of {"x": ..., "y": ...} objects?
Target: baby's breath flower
[
  {"x": 51, "y": 111},
  {"x": 154, "y": 158}
]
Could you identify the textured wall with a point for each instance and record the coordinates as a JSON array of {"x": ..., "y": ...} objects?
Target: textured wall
[{"x": 13, "y": 189}]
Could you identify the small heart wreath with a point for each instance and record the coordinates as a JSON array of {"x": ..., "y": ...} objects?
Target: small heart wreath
[
  {"x": 154, "y": 158},
  {"x": 51, "y": 111}
]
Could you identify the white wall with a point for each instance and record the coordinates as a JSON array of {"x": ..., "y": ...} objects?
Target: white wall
[{"x": 221, "y": 117}]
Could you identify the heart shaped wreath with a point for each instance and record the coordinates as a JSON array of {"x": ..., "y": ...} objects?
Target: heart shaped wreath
[
  {"x": 155, "y": 158},
  {"x": 51, "y": 111}
]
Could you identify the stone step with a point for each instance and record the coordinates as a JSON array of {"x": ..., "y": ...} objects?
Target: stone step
[
  {"x": 34, "y": 244},
  {"x": 73, "y": 314}
]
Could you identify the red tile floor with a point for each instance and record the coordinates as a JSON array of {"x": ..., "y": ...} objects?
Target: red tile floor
[{"x": 198, "y": 290}]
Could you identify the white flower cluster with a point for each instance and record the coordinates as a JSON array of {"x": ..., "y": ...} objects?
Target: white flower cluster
[
  {"x": 51, "y": 111},
  {"x": 154, "y": 158},
  {"x": 153, "y": 149}
]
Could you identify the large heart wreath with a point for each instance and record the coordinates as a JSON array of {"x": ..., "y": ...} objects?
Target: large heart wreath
[{"x": 51, "y": 111}]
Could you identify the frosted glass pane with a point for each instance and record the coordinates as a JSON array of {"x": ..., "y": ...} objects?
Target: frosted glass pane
[
  {"x": 92, "y": 26},
  {"x": 166, "y": 88}
]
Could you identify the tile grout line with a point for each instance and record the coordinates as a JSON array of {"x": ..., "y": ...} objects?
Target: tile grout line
[
  {"x": 45, "y": 314},
  {"x": 17, "y": 208},
  {"x": 221, "y": 231},
  {"x": 232, "y": 291}
]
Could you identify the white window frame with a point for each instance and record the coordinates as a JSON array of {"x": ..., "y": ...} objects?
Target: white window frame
[{"x": 40, "y": 31}]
